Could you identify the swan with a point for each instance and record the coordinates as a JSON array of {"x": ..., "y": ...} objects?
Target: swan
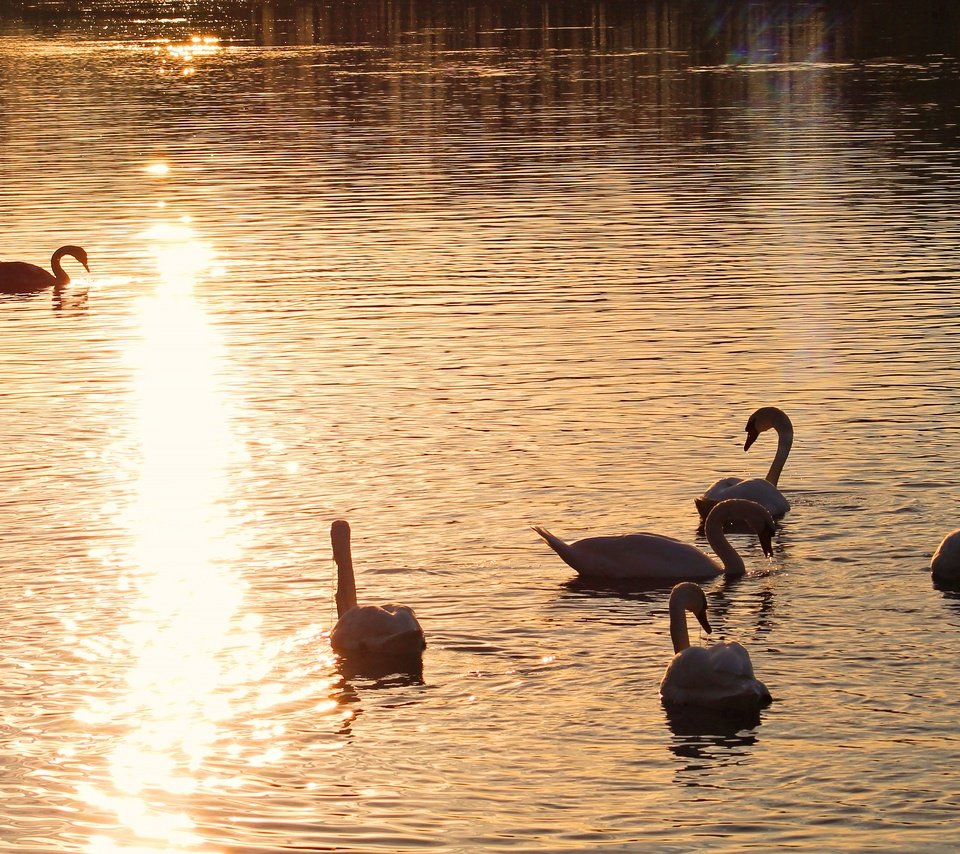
[
  {"x": 657, "y": 559},
  {"x": 718, "y": 677},
  {"x": 20, "y": 277},
  {"x": 376, "y": 631},
  {"x": 762, "y": 490},
  {"x": 945, "y": 564}
]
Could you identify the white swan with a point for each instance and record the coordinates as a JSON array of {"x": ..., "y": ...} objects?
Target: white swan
[
  {"x": 718, "y": 677},
  {"x": 372, "y": 631},
  {"x": 657, "y": 559},
  {"x": 762, "y": 490},
  {"x": 945, "y": 564},
  {"x": 20, "y": 277}
]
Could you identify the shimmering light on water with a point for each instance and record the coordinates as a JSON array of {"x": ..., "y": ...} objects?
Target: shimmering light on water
[
  {"x": 448, "y": 272},
  {"x": 188, "y": 592}
]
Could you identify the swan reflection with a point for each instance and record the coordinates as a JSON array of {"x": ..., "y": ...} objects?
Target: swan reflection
[
  {"x": 382, "y": 674},
  {"x": 710, "y": 727},
  {"x": 705, "y": 740}
]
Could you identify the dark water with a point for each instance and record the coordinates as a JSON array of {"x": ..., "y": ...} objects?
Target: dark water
[{"x": 448, "y": 271}]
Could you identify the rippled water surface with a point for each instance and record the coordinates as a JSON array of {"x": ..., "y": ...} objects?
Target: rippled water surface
[{"x": 447, "y": 272}]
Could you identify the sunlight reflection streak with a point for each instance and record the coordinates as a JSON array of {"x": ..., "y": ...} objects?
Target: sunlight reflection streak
[{"x": 189, "y": 592}]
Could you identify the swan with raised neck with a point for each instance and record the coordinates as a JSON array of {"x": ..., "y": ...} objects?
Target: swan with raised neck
[
  {"x": 686, "y": 596},
  {"x": 656, "y": 559},
  {"x": 718, "y": 677},
  {"x": 377, "y": 633},
  {"x": 765, "y": 490}
]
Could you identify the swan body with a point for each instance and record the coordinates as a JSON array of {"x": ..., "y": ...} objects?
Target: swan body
[
  {"x": 658, "y": 559},
  {"x": 945, "y": 564},
  {"x": 763, "y": 490},
  {"x": 373, "y": 631},
  {"x": 719, "y": 677},
  {"x": 20, "y": 277}
]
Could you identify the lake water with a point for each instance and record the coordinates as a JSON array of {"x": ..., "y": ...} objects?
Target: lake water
[{"x": 449, "y": 271}]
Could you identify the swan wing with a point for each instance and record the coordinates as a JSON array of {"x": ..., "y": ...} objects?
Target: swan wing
[
  {"x": 372, "y": 628},
  {"x": 754, "y": 489},
  {"x": 717, "y": 491},
  {"x": 730, "y": 658},
  {"x": 718, "y": 677}
]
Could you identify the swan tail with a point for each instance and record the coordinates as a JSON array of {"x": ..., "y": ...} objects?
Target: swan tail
[{"x": 558, "y": 545}]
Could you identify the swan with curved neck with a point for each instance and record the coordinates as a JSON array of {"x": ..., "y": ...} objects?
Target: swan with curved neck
[
  {"x": 762, "y": 490},
  {"x": 20, "y": 277},
  {"x": 657, "y": 559},
  {"x": 718, "y": 677},
  {"x": 945, "y": 564},
  {"x": 377, "y": 632}
]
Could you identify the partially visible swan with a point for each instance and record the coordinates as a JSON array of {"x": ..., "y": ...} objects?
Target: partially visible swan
[
  {"x": 372, "y": 631},
  {"x": 657, "y": 559},
  {"x": 945, "y": 564},
  {"x": 762, "y": 490},
  {"x": 20, "y": 277},
  {"x": 718, "y": 677}
]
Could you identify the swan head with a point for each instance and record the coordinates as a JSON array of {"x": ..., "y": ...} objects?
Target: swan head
[
  {"x": 690, "y": 597},
  {"x": 77, "y": 252},
  {"x": 339, "y": 530},
  {"x": 765, "y": 418},
  {"x": 766, "y": 541},
  {"x": 756, "y": 516},
  {"x": 759, "y": 519}
]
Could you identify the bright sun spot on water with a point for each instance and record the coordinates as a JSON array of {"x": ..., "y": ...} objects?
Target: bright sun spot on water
[
  {"x": 197, "y": 46},
  {"x": 180, "y": 257},
  {"x": 158, "y": 169},
  {"x": 185, "y": 632},
  {"x": 200, "y": 677}
]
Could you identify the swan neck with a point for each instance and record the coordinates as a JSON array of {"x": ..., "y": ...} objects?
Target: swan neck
[
  {"x": 732, "y": 562},
  {"x": 58, "y": 272},
  {"x": 346, "y": 583},
  {"x": 678, "y": 627},
  {"x": 784, "y": 444}
]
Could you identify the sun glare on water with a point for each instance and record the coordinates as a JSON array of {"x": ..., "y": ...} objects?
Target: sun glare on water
[
  {"x": 190, "y": 642},
  {"x": 186, "y": 55}
]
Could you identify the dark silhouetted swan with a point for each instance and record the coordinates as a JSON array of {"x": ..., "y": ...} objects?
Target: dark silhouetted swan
[
  {"x": 718, "y": 677},
  {"x": 376, "y": 632},
  {"x": 657, "y": 559},
  {"x": 762, "y": 490},
  {"x": 945, "y": 564},
  {"x": 20, "y": 277}
]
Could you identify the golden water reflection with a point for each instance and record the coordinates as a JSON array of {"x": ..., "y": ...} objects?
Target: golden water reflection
[
  {"x": 197, "y": 655},
  {"x": 186, "y": 54}
]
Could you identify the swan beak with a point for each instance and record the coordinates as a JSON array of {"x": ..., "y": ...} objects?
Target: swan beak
[
  {"x": 702, "y": 617},
  {"x": 751, "y": 438},
  {"x": 766, "y": 541}
]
